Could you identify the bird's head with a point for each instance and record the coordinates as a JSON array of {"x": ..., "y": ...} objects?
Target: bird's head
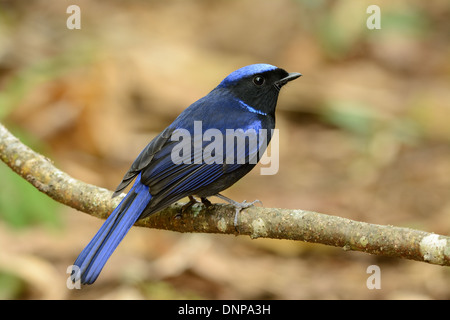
[{"x": 258, "y": 85}]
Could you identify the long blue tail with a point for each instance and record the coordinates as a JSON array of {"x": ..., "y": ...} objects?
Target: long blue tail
[{"x": 92, "y": 259}]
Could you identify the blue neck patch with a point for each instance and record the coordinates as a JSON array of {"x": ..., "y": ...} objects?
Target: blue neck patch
[
  {"x": 251, "y": 109},
  {"x": 246, "y": 71}
]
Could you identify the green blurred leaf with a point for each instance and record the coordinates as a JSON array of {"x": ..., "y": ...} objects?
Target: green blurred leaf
[
  {"x": 11, "y": 287},
  {"x": 22, "y": 205},
  {"x": 351, "y": 116},
  {"x": 336, "y": 32},
  {"x": 409, "y": 21}
]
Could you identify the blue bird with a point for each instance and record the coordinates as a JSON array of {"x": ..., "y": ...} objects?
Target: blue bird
[{"x": 245, "y": 99}]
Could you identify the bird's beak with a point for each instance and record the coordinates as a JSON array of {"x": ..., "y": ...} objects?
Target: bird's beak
[{"x": 291, "y": 76}]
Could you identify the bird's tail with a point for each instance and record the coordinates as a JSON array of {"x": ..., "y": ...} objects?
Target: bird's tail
[{"x": 91, "y": 260}]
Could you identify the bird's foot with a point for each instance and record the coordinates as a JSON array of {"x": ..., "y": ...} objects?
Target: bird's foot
[
  {"x": 186, "y": 207},
  {"x": 206, "y": 202},
  {"x": 191, "y": 202},
  {"x": 238, "y": 206}
]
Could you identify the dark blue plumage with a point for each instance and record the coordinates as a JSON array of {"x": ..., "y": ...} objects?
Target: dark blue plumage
[{"x": 245, "y": 99}]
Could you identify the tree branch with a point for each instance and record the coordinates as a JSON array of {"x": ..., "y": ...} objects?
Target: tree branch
[{"x": 256, "y": 222}]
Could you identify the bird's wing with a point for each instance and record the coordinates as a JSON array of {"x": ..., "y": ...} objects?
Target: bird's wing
[
  {"x": 169, "y": 182},
  {"x": 144, "y": 158}
]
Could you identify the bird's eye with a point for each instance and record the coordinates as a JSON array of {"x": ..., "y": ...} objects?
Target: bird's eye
[{"x": 259, "y": 80}]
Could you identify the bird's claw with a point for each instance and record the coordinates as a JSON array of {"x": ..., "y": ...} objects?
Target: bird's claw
[
  {"x": 187, "y": 206},
  {"x": 250, "y": 204},
  {"x": 239, "y": 206},
  {"x": 191, "y": 202}
]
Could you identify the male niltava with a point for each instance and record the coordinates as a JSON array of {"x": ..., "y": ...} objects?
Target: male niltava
[{"x": 245, "y": 99}]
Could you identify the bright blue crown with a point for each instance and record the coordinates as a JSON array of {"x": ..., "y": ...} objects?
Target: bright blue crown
[{"x": 245, "y": 72}]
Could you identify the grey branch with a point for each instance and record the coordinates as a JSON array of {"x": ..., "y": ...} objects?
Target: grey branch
[{"x": 256, "y": 222}]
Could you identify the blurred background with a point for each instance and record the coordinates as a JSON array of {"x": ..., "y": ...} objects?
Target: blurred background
[{"x": 364, "y": 134}]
